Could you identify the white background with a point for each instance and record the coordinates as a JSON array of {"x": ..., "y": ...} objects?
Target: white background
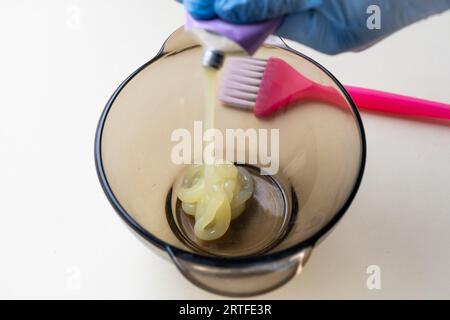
[{"x": 59, "y": 237}]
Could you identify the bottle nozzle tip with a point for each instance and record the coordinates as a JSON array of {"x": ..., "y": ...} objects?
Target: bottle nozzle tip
[{"x": 213, "y": 59}]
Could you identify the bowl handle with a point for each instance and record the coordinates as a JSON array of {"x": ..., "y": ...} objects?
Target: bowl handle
[{"x": 243, "y": 280}]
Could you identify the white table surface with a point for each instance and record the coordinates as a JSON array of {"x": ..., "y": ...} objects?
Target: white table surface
[{"x": 60, "y": 238}]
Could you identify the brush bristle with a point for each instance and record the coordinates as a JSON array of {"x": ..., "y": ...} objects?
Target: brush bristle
[{"x": 241, "y": 81}]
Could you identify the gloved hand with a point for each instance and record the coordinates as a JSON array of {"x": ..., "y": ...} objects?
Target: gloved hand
[{"x": 330, "y": 26}]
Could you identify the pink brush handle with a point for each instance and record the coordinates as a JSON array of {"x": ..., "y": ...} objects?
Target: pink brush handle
[
  {"x": 393, "y": 103},
  {"x": 286, "y": 85}
]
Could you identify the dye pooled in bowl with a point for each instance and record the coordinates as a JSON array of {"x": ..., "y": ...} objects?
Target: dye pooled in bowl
[{"x": 216, "y": 192}]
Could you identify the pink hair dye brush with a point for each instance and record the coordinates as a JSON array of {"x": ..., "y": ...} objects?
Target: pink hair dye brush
[{"x": 266, "y": 86}]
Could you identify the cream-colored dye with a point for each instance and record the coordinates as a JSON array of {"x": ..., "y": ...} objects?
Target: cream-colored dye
[
  {"x": 320, "y": 146},
  {"x": 216, "y": 192}
]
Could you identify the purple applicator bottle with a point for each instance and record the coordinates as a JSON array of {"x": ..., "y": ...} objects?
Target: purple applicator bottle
[{"x": 219, "y": 37}]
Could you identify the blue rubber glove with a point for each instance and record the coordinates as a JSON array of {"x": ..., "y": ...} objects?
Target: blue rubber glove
[{"x": 330, "y": 26}]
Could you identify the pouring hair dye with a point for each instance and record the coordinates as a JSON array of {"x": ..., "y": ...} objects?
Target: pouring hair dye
[{"x": 216, "y": 192}]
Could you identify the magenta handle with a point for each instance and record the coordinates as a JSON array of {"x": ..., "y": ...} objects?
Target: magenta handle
[
  {"x": 398, "y": 104},
  {"x": 287, "y": 85}
]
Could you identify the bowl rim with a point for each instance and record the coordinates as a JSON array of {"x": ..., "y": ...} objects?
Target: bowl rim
[{"x": 174, "y": 251}]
